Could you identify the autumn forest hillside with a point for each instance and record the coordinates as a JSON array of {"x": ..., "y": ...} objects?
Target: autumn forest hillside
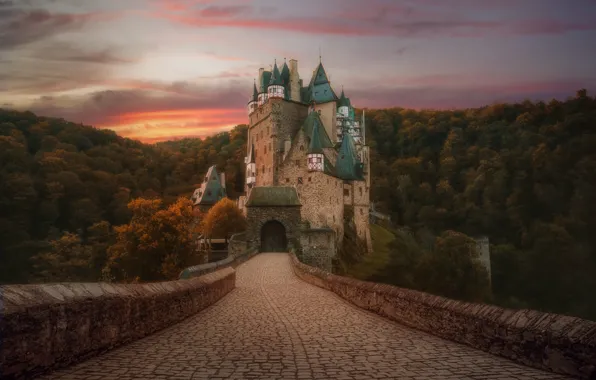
[{"x": 524, "y": 175}]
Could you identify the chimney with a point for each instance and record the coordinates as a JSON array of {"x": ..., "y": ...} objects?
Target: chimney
[
  {"x": 294, "y": 81},
  {"x": 222, "y": 179}
]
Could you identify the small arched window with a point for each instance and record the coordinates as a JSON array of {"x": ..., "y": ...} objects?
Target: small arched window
[{"x": 301, "y": 147}]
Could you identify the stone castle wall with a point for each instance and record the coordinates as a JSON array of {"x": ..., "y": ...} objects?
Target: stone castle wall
[
  {"x": 319, "y": 193},
  {"x": 318, "y": 247},
  {"x": 552, "y": 342},
  {"x": 260, "y": 134},
  {"x": 47, "y": 326},
  {"x": 258, "y": 216}
]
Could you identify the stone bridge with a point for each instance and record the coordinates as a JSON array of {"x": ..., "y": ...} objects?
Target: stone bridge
[{"x": 273, "y": 323}]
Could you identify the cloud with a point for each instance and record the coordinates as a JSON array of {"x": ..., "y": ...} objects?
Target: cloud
[
  {"x": 377, "y": 18},
  {"x": 19, "y": 26},
  {"x": 440, "y": 92},
  {"x": 148, "y": 102}
]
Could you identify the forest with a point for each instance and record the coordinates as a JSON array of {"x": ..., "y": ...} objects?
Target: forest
[
  {"x": 65, "y": 186},
  {"x": 523, "y": 175}
]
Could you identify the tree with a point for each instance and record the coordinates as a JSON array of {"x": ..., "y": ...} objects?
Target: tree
[
  {"x": 453, "y": 269},
  {"x": 157, "y": 243},
  {"x": 67, "y": 261},
  {"x": 223, "y": 220}
]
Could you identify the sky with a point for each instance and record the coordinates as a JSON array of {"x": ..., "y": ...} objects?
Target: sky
[{"x": 158, "y": 70}]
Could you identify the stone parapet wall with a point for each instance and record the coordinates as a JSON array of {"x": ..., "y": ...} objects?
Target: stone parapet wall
[
  {"x": 45, "y": 326},
  {"x": 557, "y": 343},
  {"x": 237, "y": 255}
]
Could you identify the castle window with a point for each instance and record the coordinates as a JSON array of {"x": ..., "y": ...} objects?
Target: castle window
[
  {"x": 287, "y": 180},
  {"x": 346, "y": 192},
  {"x": 265, "y": 149},
  {"x": 300, "y": 180},
  {"x": 333, "y": 222},
  {"x": 301, "y": 147},
  {"x": 309, "y": 179},
  {"x": 263, "y": 168},
  {"x": 269, "y": 146},
  {"x": 268, "y": 130},
  {"x": 297, "y": 162},
  {"x": 361, "y": 211}
]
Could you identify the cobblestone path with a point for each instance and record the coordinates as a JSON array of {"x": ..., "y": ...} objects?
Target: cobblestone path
[{"x": 275, "y": 326}]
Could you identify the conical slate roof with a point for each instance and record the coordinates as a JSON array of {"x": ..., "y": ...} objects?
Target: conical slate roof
[
  {"x": 343, "y": 101},
  {"x": 348, "y": 166},
  {"x": 285, "y": 74},
  {"x": 308, "y": 127},
  {"x": 316, "y": 146},
  {"x": 255, "y": 93},
  {"x": 275, "y": 76}
]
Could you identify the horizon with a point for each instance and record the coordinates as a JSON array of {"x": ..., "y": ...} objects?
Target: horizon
[{"x": 186, "y": 67}]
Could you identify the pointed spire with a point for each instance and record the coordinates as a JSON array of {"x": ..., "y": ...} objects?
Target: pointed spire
[
  {"x": 348, "y": 165},
  {"x": 275, "y": 75},
  {"x": 255, "y": 92},
  {"x": 343, "y": 100},
  {"x": 315, "y": 147},
  {"x": 285, "y": 74}
]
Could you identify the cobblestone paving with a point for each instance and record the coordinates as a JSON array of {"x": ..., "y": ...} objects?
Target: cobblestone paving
[{"x": 274, "y": 326}]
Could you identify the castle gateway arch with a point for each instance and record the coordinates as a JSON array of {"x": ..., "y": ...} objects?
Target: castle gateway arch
[
  {"x": 273, "y": 237},
  {"x": 273, "y": 216}
]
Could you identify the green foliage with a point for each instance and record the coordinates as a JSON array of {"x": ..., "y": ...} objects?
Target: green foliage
[
  {"x": 522, "y": 174},
  {"x": 58, "y": 178}
]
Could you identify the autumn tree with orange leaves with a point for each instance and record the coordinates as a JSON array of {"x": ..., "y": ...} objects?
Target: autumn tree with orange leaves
[
  {"x": 157, "y": 243},
  {"x": 223, "y": 220}
]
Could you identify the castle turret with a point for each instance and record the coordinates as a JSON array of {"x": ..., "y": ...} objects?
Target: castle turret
[
  {"x": 343, "y": 105},
  {"x": 264, "y": 78},
  {"x": 275, "y": 88},
  {"x": 253, "y": 101},
  {"x": 315, "y": 157}
]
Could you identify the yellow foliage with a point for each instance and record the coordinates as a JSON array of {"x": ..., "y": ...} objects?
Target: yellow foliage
[
  {"x": 223, "y": 220},
  {"x": 157, "y": 243}
]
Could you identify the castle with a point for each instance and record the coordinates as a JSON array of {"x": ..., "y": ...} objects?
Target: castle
[{"x": 307, "y": 164}]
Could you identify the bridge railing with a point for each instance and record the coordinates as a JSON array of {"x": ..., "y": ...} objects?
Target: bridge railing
[
  {"x": 558, "y": 343},
  {"x": 238, "y": 252}
]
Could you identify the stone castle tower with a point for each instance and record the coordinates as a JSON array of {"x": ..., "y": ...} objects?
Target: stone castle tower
[{"x": 307, "y": 148}]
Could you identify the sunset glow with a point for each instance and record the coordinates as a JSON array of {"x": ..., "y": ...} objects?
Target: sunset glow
[{"x": 164, "y": 69}]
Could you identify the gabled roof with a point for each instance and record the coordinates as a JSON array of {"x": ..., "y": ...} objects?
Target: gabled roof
[
  {"x": 348, "y": 166},
  {"x": 309, "y": 125},
  {"x": 273, "y": 196},
  {"x": 211, "y": 189}
]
